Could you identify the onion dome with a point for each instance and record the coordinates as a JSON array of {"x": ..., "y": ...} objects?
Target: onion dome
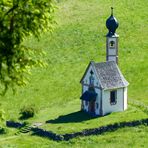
[{"x": 112, "y": 24}]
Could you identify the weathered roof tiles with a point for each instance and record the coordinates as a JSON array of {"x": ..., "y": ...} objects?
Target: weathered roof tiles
[{"x": 109, "y": 75}]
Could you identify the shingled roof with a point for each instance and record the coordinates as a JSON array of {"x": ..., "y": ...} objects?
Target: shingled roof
[{"x": 109, "y": 75}]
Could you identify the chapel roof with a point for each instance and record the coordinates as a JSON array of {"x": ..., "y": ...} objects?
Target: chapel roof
[{"x": 109, "y": 75}]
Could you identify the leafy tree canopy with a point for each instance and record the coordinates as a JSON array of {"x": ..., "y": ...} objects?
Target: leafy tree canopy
[{"x": 18, "y": 20}]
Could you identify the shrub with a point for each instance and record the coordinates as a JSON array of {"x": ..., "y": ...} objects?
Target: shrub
[
  {"x": 2, "y": 130},
  {"x": 27, "y": 112}
]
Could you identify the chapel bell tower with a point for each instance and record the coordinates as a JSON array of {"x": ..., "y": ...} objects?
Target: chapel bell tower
[{"x": 112, "y": 38}]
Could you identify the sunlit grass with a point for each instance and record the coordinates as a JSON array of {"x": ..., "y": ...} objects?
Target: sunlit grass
[{"x": 78, "y": 38}]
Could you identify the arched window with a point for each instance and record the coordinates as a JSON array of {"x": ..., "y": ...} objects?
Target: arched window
[
  {"x": 91, "y": 78},
  {"x": 112, "y": 44}
]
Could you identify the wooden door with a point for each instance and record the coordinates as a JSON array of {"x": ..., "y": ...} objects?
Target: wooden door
[{"x": 92, "y": 106}]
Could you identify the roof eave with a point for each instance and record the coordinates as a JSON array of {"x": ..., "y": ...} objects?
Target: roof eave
[
  {"x": 112, "y": 88},
  {"x": 97, "y": 75}
]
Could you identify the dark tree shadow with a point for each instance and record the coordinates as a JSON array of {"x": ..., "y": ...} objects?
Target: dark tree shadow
[{"x": 78, "y": 116}]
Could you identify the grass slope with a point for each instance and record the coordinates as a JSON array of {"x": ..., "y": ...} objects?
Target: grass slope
[
  {"x": 127, "y": 137},
  {"x": 77, "y": 39}
]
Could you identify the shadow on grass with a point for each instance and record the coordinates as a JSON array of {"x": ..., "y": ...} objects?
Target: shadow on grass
[{"x": 78, "y": 116}]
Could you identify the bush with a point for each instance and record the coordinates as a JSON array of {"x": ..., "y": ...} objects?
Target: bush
[
  {"x": 2, "y": 130},
  {"x": 27, "y": 112}
]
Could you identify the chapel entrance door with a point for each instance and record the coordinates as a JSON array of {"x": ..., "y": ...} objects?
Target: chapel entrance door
[{"x": 92, "y": 106}]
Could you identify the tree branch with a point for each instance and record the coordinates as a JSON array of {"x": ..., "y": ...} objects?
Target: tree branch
[{"x": 10, "y": 10}]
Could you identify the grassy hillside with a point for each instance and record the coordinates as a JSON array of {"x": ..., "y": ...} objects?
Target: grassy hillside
[
  {"x": 127, "y": 137},
  {"x": 78, "y": 38}
]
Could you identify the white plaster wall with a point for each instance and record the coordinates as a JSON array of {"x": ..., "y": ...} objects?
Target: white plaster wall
[
  {"x": 111, "y": 39},
  {"x": 107, "y": 107},
  {"x": 85, "y": 88},
  {"x": 97, "y": 110},
  {"x": 85, "y": 106},
  {"x": 86, "y": 78},
  {"x": 112, "y": 58},
  {"x": 125, "y": 98},
  {"x": 112, "y": 52}
]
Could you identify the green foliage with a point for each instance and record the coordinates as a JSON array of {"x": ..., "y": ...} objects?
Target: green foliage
[
  {"x": 27, "y": 111},
  {"x": 19, "y": 19},
  {"x": 2, "y": 130}
]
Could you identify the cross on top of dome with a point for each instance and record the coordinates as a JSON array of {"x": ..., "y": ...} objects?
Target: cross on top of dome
[{"x": 112, "y": 24}]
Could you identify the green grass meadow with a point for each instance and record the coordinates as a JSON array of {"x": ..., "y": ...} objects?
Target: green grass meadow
[{"x": 79, "y": 37}]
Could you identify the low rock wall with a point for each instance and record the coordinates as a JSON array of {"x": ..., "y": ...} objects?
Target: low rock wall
[
  {"x": 88, "y": 132},
  {"x": 48, "y": 134},
  {"x": 14, "y": 124}
]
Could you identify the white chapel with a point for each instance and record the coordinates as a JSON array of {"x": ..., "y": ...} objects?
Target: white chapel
[{"x": 104, "y": 88}]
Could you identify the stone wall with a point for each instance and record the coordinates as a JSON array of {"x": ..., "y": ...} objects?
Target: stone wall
[{"x": 88, "y": 132}]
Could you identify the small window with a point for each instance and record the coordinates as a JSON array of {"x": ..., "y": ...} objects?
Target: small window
[
  {"x": 113, "y": 97},
  {"x": 112, "y": 44},
  {"x": 91, "y": 78}
]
